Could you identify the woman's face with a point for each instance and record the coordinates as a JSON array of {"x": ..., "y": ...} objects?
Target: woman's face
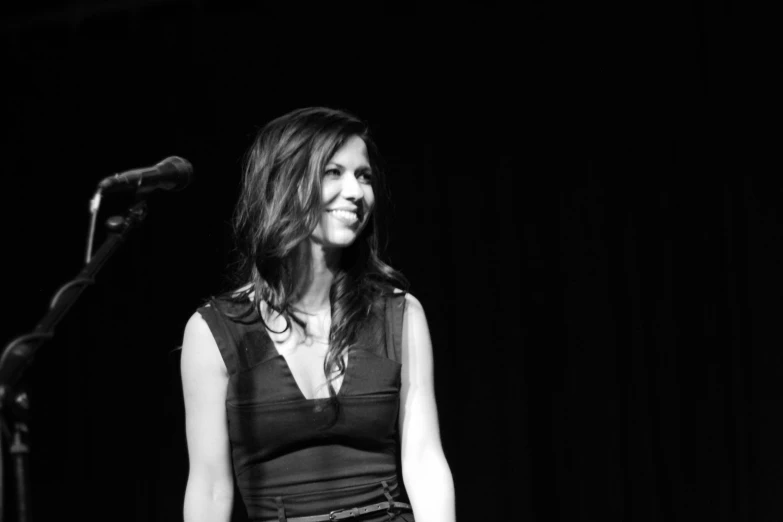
[{"x": 346, "y": 195}]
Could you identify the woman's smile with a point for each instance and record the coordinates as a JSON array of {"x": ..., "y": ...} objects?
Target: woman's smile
[{"x": 348, "y": 217}]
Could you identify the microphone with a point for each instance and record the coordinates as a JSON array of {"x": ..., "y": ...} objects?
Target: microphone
[{"x": 173, "y": 173}]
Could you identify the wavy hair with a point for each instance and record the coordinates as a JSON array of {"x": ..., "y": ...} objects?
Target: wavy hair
[{"x": 280, "y": 206}]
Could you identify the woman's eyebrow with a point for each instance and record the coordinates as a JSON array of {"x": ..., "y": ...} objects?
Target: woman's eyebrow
[{"x": 363, "y": 166}]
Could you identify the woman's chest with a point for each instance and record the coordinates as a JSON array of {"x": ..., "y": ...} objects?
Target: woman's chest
[{"x": 306, "y": 365}]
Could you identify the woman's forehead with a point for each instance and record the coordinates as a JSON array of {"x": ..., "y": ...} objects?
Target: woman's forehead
[{"x": 352, "y": 153}]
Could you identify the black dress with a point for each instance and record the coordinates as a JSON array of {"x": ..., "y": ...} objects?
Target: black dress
[{"x": 296, "y": 457}]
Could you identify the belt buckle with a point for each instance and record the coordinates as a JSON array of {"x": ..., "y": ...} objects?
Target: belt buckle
[{"x": 333, "y": 513}]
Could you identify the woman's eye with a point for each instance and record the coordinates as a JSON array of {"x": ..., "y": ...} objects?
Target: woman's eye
[
  {"x": 365, "y": 175},
  {"x": 332, "y": 172}
]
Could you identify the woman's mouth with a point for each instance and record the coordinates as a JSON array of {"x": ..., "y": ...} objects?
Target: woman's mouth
[{"x": 348, "y": 217}]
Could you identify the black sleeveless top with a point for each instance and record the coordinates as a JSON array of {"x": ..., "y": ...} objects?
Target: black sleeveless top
[{"x": 290, "y": 453}]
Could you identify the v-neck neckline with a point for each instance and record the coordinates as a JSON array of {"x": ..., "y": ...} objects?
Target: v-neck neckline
[{"x": 338, "y": 391}]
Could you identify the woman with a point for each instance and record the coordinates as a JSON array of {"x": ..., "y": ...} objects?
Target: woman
[{"x": 312, "y": 383}]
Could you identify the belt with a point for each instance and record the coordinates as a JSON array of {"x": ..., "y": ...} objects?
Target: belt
[{"x": 340, "y": 514}]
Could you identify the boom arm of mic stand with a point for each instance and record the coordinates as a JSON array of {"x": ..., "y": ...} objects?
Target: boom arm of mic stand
[{"x": 18, "y": 354}]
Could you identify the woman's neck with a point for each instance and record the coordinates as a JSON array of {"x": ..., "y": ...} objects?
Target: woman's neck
[{"x": 314, "y": 291}]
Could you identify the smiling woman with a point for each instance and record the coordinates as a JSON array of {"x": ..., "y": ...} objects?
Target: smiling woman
[
  {"x": 347, "y": 195},
  {"x": 309, "y": 382}
]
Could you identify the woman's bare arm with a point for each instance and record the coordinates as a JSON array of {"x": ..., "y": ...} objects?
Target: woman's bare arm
[
  {"x": 210, "y": 488},
  {"x": 425, "y": 471}
]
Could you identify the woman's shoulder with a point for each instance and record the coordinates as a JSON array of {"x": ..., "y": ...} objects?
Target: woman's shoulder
[
  {"x": 382, "y": 298},
  {"x": 200, "y": 352},
  {"x": 198, "y": 339},
  {"x": 409, "y": 309},
  {"x": 410, "y": 300},
  {"x": 404, "y": 304},
  {"x": 401, "y": 298},
  {"x": 197, "y": 324}
]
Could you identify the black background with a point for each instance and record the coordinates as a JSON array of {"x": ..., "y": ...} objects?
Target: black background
[{"x": 606, "y": 331}]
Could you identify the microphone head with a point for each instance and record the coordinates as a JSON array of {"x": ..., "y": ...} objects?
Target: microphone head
[{"x": 174, "y": 173}]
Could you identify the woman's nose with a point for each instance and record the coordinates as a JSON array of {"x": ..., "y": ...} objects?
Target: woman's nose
[{"x": 351, "y": 188}]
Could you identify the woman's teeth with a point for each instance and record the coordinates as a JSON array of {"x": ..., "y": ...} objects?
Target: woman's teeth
[{"x": 345, "y": 215}]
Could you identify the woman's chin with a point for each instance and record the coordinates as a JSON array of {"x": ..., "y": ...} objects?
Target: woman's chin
[
  {"x": 345, "y": 243},
  {"x": 336, "y": 241}
]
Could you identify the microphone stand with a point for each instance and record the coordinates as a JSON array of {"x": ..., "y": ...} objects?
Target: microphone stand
[{"x": 18, "y": 355}]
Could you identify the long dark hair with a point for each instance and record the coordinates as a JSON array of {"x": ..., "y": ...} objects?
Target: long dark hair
[{"x": 280, "y": 206}]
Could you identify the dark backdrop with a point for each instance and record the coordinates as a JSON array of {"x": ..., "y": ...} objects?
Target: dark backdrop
[{"x": 605, "y": 331}]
